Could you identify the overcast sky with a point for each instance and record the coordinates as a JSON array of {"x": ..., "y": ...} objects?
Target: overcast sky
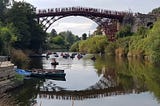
[{"x": 80, "y": 25}]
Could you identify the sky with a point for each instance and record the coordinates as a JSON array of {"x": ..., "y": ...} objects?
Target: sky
[{"x": 79, "y": 25}]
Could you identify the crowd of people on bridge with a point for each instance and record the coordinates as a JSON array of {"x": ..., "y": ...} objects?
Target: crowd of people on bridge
[{"x": 81, "y": 9}]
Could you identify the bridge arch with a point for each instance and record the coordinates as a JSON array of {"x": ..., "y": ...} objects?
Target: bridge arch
[
  {"x": 109, "y": 21},
  {"x": 77, "y": 24}
]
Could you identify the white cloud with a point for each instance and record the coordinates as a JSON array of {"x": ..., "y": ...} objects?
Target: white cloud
[{"x": 77, "y": 27}]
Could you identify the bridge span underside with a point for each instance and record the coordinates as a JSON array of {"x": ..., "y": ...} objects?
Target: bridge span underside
[{"x": 109, "y": 21}]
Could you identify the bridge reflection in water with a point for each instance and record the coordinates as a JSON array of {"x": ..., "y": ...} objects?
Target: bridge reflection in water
[{"x": 106, "y": 86}]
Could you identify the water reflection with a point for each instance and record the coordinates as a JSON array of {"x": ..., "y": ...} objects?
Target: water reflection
[
  {"x": 7, "y": 100},
  {"x": 116, "y": 76},
  {"x": 131, "y": 74}
]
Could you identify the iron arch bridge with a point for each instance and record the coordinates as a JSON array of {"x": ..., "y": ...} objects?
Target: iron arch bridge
[{"x": 109, "y": 21}]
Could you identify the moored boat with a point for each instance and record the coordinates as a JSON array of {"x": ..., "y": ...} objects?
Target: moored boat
[
  {"x": 23, "y": 72},
  {"x": 54, "y": 63},
  {"x": 48, "y": 74},
  {"x": 43, "y": 73}
]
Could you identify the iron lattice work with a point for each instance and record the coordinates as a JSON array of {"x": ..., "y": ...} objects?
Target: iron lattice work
[{"x": 108, "y": 20}]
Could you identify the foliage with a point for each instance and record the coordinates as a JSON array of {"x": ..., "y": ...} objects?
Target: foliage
[
  {"x": 53, "y": 33},
  {"x": 19, "y": 58},
  {"x": 7, "y": 38},
  {"x": 94, "y": 44},
  {"x": 97, "y": 31},
  {"x": 84, "y": 36},
  {"x": 3, "y": 9},
  {"x": 144, "y": 43},
  {"x": 125, "y": 31},
  {"x": 156, "y": 11},
  {"x": 75, "y": 47},
  {"x": 142, "y": 31},
  {"x": 58, "y": 40},
  {"x": 19, "y": 77},
  {"x": 110, "y": 48},
  {"x": 62, "y": 40},
  {"x": 30, "y": 33}
]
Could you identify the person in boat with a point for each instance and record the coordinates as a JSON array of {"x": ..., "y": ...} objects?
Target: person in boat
[
  {"x": 54, "y": 63},
  {"x": 93, "y": 58}
]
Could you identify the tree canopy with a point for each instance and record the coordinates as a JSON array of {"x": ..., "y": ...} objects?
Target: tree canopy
[{"x": 30, "y": 33}]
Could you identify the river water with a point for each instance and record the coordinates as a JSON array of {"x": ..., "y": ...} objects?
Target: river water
[{"x": 107, "y": 81}]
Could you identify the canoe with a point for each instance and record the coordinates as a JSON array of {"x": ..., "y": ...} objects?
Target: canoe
[
  {"x": 43, "y": 73},
  {"x": 47, "y": 70},
  {"x": 54, "y": 63},
  {"x": 48, "y": 75},
  {"x": 23, "y": 72}
]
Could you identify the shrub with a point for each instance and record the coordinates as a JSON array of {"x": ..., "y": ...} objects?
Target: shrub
[{"x": 19, "y": 58}]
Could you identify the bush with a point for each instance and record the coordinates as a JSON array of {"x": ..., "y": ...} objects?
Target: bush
[
  {"x": 20, "y": 59},
  {"x": 110, "y": 48},
  {"x": 75, "y": 47},
  {"x": 94, "y": 44}
]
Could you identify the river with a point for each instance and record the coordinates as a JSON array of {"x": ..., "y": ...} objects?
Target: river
[{"x": 107, "y": 81}]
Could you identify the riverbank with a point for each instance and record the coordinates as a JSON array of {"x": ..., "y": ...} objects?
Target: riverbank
[{"x": 7, "y": 77}]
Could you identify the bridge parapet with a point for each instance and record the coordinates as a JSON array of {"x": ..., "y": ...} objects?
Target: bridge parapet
[{"x": 81, "y": 9}]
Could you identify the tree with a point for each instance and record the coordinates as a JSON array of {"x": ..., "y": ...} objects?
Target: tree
[
  {"x": 98, "y": 31},
  {"x": 84, "y": 36},
  {"x": 31, "y": 34},
  {"x": 3, "y": 9},
  {"x": 125, "y": 31},
  {"x": 69, "y": 37},
  {"x": 53, "y": 33},
  {"x": 156, "y": 11},
  {"x": 7, "y": 38},
  {"x": 58, "y": 40}
]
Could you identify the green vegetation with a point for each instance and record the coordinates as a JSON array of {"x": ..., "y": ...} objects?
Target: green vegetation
[
  {"x": 7, "y": 39},
  {"x": 94, "y": 44},
  {"x": 19, "y": 31},
  {"x": 156, "y": 11},
  {"x": 145, "y": 43},
  {"x": 130, "y": 74},
  {"x": 125, "y": 31},
  {"x": 20, "y": 58},
  {"x": 30, "y": 34},
  {"x": 19, "y": 77},
  {"x": 63, "y": 40}
]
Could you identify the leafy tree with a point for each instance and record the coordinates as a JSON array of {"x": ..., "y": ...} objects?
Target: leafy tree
[
  {"x": 156, "y": 11},
  {"x": 31, "y": 34},
  {"x": 69, "y": 37},
  {"x": 62, "y": 40},
  {"x": 58, "y": 40},
  {"x": 84, "y": 36},
  {"x": 3, "y": 9},
  {"x": 142, "y": 31},
  {"x": 53, "y": 33},
  {"x": 94, "y": 44},
  {"x": 125, "y": 31},
  {"x": 7, "y": 38},
  {"x": 75, "y": 47},
  {"x": 98, "y": 31}
]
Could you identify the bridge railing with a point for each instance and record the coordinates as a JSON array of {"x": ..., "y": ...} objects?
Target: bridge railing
[{"x": 81, "y": 9}]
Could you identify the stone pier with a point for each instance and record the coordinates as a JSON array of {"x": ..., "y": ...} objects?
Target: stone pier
[{"x": 7, "y": 76}]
